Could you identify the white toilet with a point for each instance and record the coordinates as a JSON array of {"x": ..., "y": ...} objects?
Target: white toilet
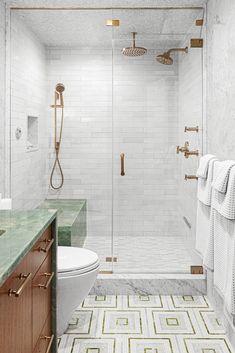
[{"x": 77, "y": 272}]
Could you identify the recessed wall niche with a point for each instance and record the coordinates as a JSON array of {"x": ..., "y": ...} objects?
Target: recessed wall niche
[{"x": 32, "y": 133}]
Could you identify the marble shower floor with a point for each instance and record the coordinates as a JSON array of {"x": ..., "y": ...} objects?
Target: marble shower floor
[
  {"x": 145, "y": 324},
  {"x": 157, "y": 254}
]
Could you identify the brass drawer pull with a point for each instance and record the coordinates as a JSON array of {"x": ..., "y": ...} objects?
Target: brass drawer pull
[
  {"x": 19, "y": 291},
  {"x": 50, "y": 276},
  {"x": 122, "y": 156},
  {"x": 47, "y": 248},
  {"x": 50, "y": 338}
]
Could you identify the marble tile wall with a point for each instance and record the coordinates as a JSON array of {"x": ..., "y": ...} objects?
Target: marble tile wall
[
  {"x": 28, "y": 98},
  {"x": 220, "y": 78}
]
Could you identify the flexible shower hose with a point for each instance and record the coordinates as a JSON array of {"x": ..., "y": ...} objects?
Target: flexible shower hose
[{"x": 57, "y": 147}]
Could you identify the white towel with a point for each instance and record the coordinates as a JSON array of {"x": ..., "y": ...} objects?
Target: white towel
[
  {"x": 221, "y": 181},
  {"x": 224, "y": 259},
  {"x": 202, "y": 228},
  {"x": 202, "y": 171},
  {"x": 204, "y": 188},
  {"x": 208, "y": 260},
  {"x": 225, "y": 203}
]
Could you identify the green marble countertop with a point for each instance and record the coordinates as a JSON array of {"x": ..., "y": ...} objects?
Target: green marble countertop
[
  {"x": 67, "y": 210},
  {"x": 22, "y": 229}
]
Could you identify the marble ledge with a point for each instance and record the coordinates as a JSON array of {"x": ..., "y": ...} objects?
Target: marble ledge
[{"x": 169, "y": 284}]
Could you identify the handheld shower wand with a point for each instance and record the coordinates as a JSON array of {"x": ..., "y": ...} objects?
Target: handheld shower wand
[{"x": 58, "y": 96}]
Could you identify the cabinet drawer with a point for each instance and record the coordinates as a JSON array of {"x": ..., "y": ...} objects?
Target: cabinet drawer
[
  {"x": 41, "y": 288},
  {"x": 46, "y": 338},
  {"x": 16, "y": 311},
  {"x": 41, "y": 249}
]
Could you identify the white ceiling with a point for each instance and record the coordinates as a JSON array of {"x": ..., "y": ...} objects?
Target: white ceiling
[{"x": 86, "y": 28}]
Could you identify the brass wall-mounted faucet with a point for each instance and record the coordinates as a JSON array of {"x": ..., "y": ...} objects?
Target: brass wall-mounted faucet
[
  {"x": 183, "y": 149},
  {"x": 191, "y": 153}
]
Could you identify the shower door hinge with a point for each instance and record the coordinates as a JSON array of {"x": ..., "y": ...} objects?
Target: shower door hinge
[
  {"x": 111, "y": 259},
  {"x": 196, "y": 270},
  {"x": 196, "y": 43},
  {"x": 199, "y": 22}
]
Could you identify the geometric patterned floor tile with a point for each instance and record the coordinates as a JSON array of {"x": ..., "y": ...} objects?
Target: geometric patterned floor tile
[
  {"x": 152, "y": 345},
  {"x": 100, "y": 301},
  {"x": 189, "y": 301},
  {"x": 90, "y": 345},
  {"x": 203, "y": 345},
  {"x": 144, "y": 324},
  {"x": 172, "y": 322},
  {"x": 121, "y": 321},
  {"x": 80, "y": 322},
  {"x": 145, "y": 301},
  {"x": 212, "y": 323}
]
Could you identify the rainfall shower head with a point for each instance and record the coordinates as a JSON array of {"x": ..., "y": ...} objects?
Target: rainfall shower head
[
  {"x": 59, "y": 87},
  {"x": 134, "y": 51},
  {"x": 166, "y": 59}
]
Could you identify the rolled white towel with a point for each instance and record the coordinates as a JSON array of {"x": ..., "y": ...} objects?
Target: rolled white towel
[
  {"x": 202, "y": 171},
  {"x": 221, "y": 181}
]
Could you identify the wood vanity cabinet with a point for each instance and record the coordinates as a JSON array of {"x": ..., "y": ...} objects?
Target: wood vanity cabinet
[{"x": 25, "y": 302}]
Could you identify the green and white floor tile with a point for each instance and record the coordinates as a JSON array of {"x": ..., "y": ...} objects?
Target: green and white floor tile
[{"x": 145, "y": 324}]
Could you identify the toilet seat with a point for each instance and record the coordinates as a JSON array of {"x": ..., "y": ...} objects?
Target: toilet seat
[{"x": 75, "y": 261}]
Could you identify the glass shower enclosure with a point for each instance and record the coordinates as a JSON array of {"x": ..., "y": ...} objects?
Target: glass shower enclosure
[{"x": 124, "y": 117}]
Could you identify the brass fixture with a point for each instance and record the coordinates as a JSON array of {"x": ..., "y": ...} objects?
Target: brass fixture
[
  {"x": 199, "y": 22},
  {"x": 133, "y": 50},
  {"x": 190, "y": 129},
  {"x": 49, "y": 243},
  {"x": 196, "y": 270},
  {"x": 113, "y": 23},
  {"x": 166, "y": 59},
  {"x": 183, "y": 149},
  {"x": 111, "y": 259},
  {"x": 196, "y": 43},
  {"x": 106, "y": 272},
  {"x": 58, "y": 96},
  {"x": 191, "y": 153},
  {"x": 190, "y": 177},
  {"x": 18, "y": 292},
  {"x": 50, "y": 339},
  {"x": 49, "y": 276},
  {"x": 122, "y": 156}
]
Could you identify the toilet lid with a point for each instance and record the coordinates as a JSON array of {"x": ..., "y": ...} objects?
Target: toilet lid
[{"x": 71, "y": 258}]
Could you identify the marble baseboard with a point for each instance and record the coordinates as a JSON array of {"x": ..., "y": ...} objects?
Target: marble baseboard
[{"x": 149, "y": 285}]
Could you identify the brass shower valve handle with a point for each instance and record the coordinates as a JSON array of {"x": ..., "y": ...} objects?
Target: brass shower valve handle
[
  {"x": 191, "y": 153},
  {"x": 183, "y": 149},
  {"x": 190, "y": 177},
  {"x": 191, "y": 129}
]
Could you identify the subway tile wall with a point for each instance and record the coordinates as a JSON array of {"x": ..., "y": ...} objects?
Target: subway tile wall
[
  {"x": 142, "y": 123},
  {"x": 28, "y": 98},
  {"x": 2, "y": 94}
]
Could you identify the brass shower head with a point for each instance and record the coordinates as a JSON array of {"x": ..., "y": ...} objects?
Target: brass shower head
[
  {"x": 166, "y": 58},
  {"x": 59, "y": 87},
  {"x": 134, "y": 51}
]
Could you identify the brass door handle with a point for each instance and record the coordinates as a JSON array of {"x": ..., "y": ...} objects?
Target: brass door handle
[
  {"x": 50, "y": 338},
  {"x": 19, "y": 291},
  {"x": 50, "y": 277},
  {"x": 47, "y": 248},
  {"x": 122, "y": 156},
  {"x": 190, "y": 177}
]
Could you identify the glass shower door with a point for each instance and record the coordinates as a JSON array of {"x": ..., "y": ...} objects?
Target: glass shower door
[{"x": 150, "y": 234}]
